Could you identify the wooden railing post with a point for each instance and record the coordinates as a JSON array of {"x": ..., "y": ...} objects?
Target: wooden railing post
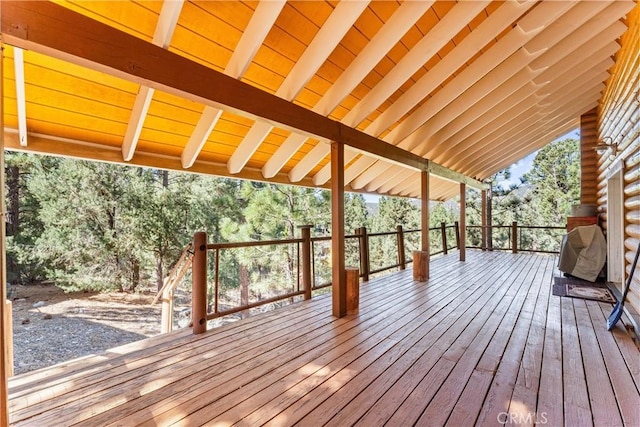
[
  {"x": 443, "y": 231},
  {"x": 483, "y": 221},
  {"x": 353, "y": 289},
  {"x": 401, "y": 256},
  {"x": 363, "y": 248},
  {"x": 166, "y": 320},
  {"x": 199, "y": 288},
  {"x": 305, "y": 231},
  {"x": 457, "y": 227},
  {"x": 8, "y": 321},
  {"x": 514, "y": 237}
]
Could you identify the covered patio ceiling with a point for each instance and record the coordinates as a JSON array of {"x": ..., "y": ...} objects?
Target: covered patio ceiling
[{"x": 473, "y": 86}]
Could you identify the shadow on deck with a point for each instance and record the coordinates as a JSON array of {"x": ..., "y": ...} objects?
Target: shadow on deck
[{"x": 483, "y": 342}]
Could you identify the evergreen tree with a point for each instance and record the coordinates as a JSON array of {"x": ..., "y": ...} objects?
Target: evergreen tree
[
  {"x": 23, "y": 223},
  {"x": 355, "y": 212},
  {"x": 555, "y": 178},
  {"x": 85, "y": 241},
  {"x": 392, "y": 211}
]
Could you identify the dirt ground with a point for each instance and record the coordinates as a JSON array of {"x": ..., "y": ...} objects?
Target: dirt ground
[{"x": 50, "y": 326}]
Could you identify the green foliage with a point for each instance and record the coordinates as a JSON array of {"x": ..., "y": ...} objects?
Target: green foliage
[
  {"x": 555, "y": 178},
  {"x": 23, "y": 223},
  {"x": 544, "y": 198},
  {"x": 355, "y": 212},
  {"x": 88, "y": 225},
  {"x": 394, "y": 211}
]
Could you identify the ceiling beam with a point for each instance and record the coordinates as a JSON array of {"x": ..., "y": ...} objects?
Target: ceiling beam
[
  {"x": 331, "y": 33},
  {"x": 18, "y": 66},
  {"x": 402, "y": 176},
  {"x": 324, "y": 174},
  {"x": 68, "y": 148},
  {"x": 357, "y": 167},
  {"x": 285, "y": 151},
  {"x": 507, "y": 52},
  {"x": 384, "y": 40},
  {"x": 564, "y": 70},
  {"x": 367, "y": 176},
  {"x": 486, "y": 95},
  {"x": 526, "y": 148},
  {"x": 167, "y": 21},
  {"x": 522, "y": 100},
  {"x": 522, "y": 140},
  {"x": 441, "y": 34},
  {"x": 61, "y": 33},
  {"x": 382, "y": 179},
  {"x": 252, "y": 38},
  {"x": 463, "y": 52},
  {"x": 488, "y": 140},
  {"x": 485, "y": 111},
  {"x": 468, "y": 87}
]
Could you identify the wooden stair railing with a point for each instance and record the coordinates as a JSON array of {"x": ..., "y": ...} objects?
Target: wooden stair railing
[{"x": 172, "y": 280}]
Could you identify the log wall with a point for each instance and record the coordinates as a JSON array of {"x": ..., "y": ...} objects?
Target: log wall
[
  {"x": 618, "y": 119},
  {"x": 588, "y": 157}
]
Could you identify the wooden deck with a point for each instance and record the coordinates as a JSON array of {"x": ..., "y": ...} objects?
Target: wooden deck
[{"x": 482, "y": 343}]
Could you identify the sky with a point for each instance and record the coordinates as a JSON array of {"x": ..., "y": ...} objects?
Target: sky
[
  {"x": 518, "y": 169},
  {"x": 523, "y": 166}
]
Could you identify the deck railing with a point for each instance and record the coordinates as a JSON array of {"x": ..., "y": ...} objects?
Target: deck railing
[
  {"x": 308, "y": 260},
  {"x": 517, "y": 238}
]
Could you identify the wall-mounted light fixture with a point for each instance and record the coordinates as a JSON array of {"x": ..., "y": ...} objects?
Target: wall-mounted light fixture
[{"x": 606, "y": 144}]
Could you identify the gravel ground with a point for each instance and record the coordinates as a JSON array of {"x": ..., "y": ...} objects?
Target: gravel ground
[{"x": 50, "y": 326}]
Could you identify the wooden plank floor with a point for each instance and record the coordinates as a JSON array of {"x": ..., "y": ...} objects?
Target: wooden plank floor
[{"x": 482, "y": 343}]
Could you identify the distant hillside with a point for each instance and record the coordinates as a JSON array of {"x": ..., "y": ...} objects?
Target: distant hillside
[{"x": 372, "y": 208}]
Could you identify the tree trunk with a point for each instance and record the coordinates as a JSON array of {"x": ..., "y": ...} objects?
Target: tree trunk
[
  {"x": 165, "y": 179},
  {"x": 13, "y": 200},
  {"x": 135, "y": 273},
  {"x": 244, "y": 288},
  {"x": 159, "y": 272}
]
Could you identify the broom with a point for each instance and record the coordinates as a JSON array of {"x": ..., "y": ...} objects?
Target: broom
[{"x": 616, "y": 314}]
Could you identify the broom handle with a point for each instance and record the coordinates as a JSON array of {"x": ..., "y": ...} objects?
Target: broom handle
[{"x": 633, "y": 269}]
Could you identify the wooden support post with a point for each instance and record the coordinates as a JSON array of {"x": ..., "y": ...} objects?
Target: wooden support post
[
  {"x": 353, "y": 289},
  {"x": 463, "y": 221},
  {"x": 402, "y": 262},
  {"x": 483, "y": 214},
  {"x": 8, "y": 313},
  {"x": 421, "y": 258},
  {"x": 338, "y": 275},
  {"x": 420, "y": 266},
  {"x": 514, "y": 237},
  {"x": 5, "y": 341},
  {"x": 166, "y": 320},
  {"x": 363, "y": 246},
  {"x": 424, "y": 211},
  {"x": 199, "y": 287},
  {"x": 443, "y": 232},
  {"x": 305, "y": 231}
]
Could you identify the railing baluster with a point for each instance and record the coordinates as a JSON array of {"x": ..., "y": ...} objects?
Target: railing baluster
[
  {"x": 443, "y": 231},
  {"x": 216, "y": 290},
  {"x": 514, "y": 237},
  {"x": 363, "y": 249},
  {"x": 456, "y": 225},
  {"x": 199, "y": 288},
  {"x": 306, "y": 260},
  {"x": 401, "y": 255}
]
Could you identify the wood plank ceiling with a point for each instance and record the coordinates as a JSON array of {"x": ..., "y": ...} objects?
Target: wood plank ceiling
[{"x": 472, "y": 85}]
